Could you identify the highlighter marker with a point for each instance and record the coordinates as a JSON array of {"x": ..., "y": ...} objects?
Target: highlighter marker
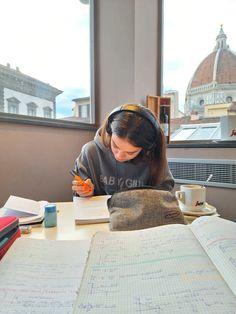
[{"x": 81, "y": 181}]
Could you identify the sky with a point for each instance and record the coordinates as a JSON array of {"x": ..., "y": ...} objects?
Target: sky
[
  {"x": 49, "y": 40},
  {"x": 190, "y": 31}
]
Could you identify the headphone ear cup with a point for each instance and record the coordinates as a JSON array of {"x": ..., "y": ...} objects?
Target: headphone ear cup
[{"x": 108, "y": 127}]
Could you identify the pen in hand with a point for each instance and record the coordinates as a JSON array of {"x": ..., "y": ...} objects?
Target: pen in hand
[{"x": 81, "y": 181}]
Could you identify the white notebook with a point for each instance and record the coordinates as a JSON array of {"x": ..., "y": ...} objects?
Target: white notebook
[
  {"x": 88, "y": 210},
  {"x": 28, "y": 211}
]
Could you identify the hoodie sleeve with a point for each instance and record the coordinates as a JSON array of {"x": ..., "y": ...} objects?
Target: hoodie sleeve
[
  {"x": 87, "y": 166},
  {"x": 81, "y": 164}
]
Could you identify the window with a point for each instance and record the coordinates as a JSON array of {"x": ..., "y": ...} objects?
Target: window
[
  {"x": 31, "y": 109},
  {"x": 199, "y": 64},
  {"x": 84, "y": 112},
  {"x": 13, "y": 105},
  {"x": 229, "y": 99},
  {"x": 47, "y": 112},
  {"x": 197, "y": 132},
  {"x": 82, "y": 108},
  {"x": 201, "y": 103},
  {"x": 53, "y": 64}
]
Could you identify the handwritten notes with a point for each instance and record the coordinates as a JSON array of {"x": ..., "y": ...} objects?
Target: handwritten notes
[
  {"x": 41, "y": 276},
  {"x": 218, "y": 237},
  {"x": 158, "y": 270},
  {"x": 168, "y": 269}
]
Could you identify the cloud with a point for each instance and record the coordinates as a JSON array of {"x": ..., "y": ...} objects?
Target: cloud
[
  {"x": 64, "y": 101},
  {"x": 49, "y": 41},
  {"x": 190, "y": 36}
]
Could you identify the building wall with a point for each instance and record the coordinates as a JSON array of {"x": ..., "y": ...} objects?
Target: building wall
[
  {"x": 26, "y": 89},
  {"x": 210, "y": 94},
  {"x": 24, "y": 99},
  {"x": 174, "y": 95},
  {"x": 216, "y": 110}
]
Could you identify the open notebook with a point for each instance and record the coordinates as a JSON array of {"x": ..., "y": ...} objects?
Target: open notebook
[
  {"x": 28, "y": 211},
  {"x": 88, "y": 210},
  {"x": 169, "y": 269}
]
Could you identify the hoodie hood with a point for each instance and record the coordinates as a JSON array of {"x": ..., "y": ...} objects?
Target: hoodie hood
[{"x": 98, "y": 142}]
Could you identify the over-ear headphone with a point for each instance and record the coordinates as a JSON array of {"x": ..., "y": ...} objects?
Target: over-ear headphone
[{"x": 140, "y": 110}]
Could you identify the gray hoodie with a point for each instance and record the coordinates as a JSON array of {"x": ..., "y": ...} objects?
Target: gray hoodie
[{"x": 109, "y": 175}]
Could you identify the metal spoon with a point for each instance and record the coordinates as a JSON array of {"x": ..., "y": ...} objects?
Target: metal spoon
[{"x": 208, "y": 179}]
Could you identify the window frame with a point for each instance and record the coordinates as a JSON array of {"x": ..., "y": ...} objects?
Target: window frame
[{"x": 40, "y": 121}]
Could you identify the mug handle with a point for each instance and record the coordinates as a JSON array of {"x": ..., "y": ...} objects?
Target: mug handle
[{"x": 180, "y": 195}]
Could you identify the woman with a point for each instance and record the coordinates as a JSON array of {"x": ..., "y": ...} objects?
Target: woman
[{"x": 128, "y": 151}]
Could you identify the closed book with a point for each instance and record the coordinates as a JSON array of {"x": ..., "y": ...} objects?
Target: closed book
[
  {"x": 9, "y": 232},
  {"x": 90, "y": 210}
]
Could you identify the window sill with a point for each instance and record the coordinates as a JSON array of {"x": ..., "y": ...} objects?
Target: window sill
[
  {"x": 202, "y": 144},
  {"x": 58, "y": 123}
]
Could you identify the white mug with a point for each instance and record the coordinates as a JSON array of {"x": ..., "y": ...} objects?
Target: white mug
[{"x": 191, "y": 197}]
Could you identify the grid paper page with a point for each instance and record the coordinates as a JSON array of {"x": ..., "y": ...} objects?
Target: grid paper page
[
  {"x": 218, "y": 237},
  {"x": 157, "y": 270},
  {"x": 41, "y": 276}
]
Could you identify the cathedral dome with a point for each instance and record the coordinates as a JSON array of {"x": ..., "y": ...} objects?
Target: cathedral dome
[
  {"x": 214, "y": 81},
  {"x": 219, "y": 67}
]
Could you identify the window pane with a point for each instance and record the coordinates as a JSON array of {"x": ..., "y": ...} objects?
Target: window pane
[
  {"x": 199, "y": 63},
  {"x": 217, "y": 133},
  {"x": 45, "y": 57},
  {"x": 183, "y": 134},
  {"x": 203, "y": 133}
]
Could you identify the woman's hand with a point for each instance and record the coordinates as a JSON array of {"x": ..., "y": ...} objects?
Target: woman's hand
[{"x": 81, "y": 190}]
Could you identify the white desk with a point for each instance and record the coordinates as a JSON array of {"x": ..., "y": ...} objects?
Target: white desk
[{"x": 66, "y": 228}]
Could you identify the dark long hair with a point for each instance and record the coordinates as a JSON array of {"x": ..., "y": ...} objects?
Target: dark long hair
[{"x": 140, "y": 132}]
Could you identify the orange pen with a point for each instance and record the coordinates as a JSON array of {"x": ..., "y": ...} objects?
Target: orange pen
[{"x": 81, "y": 181}]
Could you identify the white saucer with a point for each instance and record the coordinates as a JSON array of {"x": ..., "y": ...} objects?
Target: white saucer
[{"x": 208, "y": 210}]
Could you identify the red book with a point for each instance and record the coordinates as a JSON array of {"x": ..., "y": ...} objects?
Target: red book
[{"x": 9, "y": 232}]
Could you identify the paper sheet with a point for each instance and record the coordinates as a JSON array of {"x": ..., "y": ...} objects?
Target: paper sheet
[
  {"x": 28, "y": 211},
  {"x": 218, "y": 237},
  {"x": 41, "y": 276},
  {"x": 158, "y": 270},
  {"x": 23, "y": 205}
]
